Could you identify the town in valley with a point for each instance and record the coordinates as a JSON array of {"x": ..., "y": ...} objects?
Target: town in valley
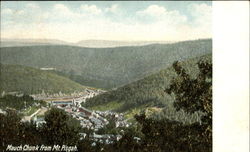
[{"x": 72, "y": 105}]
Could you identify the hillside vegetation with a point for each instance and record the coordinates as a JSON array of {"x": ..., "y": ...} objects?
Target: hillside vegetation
[
  {"x": 106, "y": 67},
  {"x": 18, "y": 103},
  {"x": 148, "y": 92},
  {"x": 29, "y": 80}
]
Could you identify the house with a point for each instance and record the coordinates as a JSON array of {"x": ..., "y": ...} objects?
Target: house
[
  {"x": 39, "y": 121},
  {"x": 2, "y": 112},
  {"x": 77, "y": 101},
  {"x": 85, "y": 111},
  {"x": 82, "y": 135},
  {"x": 137, "y": 139}
]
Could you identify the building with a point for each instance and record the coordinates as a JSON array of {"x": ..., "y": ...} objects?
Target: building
[
  {"x": 47, "y": 69},
  {"x": 85, "y": 111},
  {"x": 39, "y": 121},
  {"x": 77, "y": 101},
  {"x": 61, "y": 103}
]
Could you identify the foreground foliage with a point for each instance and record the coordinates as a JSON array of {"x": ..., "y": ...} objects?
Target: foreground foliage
[{"x": 191, "y": 94}]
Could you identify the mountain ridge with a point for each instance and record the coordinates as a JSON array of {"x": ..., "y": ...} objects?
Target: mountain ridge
[
  {"x": 112, "y": 67},
  {"x": 82, "y": 43}
]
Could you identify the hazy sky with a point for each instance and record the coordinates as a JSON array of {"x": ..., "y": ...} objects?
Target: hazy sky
[{"x": 117, "y": 20}]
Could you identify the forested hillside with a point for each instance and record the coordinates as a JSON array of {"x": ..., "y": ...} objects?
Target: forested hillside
[
  {"x": 30, "y": 80},
  {"x": 18, "y": 103},
  {"x": 106, "y": 67},
  {"x": 147, "y": 92}
]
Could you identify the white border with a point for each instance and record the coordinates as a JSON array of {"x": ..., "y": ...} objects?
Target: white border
[{"x": 231, "y": 76}]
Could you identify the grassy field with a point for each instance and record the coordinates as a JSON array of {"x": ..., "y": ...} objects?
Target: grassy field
[{"x": 29, "y": 111}]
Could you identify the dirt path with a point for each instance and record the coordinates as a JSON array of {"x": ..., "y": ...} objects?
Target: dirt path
[{"x": 28, "y": 118}]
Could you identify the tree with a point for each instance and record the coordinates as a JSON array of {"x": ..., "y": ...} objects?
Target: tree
[
  {"x": 10, "y": 128},
  {"x": 57, "y": 129},
  {"x": 191, "y": 95},
  {"x": 15, "y": 132},
  {"x": 195, "y": 94}
]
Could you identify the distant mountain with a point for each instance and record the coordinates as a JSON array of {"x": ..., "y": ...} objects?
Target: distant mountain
[
  {"x": 31, "y": 42},
  {"x": 110, "y": 67},
  {"x": 16, "y": 78},
  {"x": 83, "y": 43},
  {"x": 107, "y": 44},
  {"x": 146, "y": 92}
]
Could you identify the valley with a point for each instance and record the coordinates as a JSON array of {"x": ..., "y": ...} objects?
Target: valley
[
  {"x": 128, "y": 79},
  {"x": 101, "y": 90}
]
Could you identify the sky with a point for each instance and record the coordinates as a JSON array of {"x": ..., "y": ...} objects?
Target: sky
[{"x": 110, "y": 20}]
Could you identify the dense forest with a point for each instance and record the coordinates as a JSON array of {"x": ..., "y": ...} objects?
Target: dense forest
[
  {"x": 105, "y": 67},
  {"x": 148, "y": 92},
  {"x": 83, "y": 80}
]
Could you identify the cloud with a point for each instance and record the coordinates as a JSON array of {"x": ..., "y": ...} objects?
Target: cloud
[
  {"x": 159, "y": 13},
  {"x": 11, "y": 13},
  {"x": 112, "y": 9},
  {"x": 202, "y": 14},
  {"x": 60, "y": 8},
  {"x": 32, "y": 6},
  {"x": 7, "y": 11},
  {"x": 91, "y": 22},
  {"x": 153, "y": 10},
  {"x": 62, "y": 13},
  {"x": 200, "y": 9},
  {"x": 93, "y": 9}
]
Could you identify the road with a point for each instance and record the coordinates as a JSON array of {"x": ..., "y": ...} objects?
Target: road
[{"x": 28, "y": 118}]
